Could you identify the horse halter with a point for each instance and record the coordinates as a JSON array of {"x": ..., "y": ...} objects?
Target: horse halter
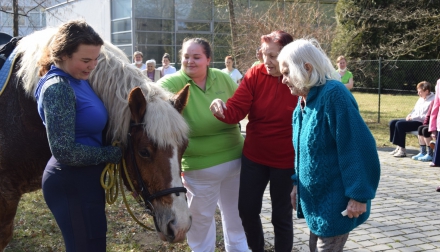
[{"x": 145, "y": 194}]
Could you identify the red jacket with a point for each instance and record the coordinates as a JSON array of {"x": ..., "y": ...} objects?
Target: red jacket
[{"x": 269, "y": 106}]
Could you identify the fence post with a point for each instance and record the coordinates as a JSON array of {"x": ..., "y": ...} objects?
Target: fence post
[{"x": 378, "y": 91}]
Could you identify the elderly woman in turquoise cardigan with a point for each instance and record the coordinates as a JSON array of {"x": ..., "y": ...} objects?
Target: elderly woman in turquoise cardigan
[{"x": 336, "y": 161}]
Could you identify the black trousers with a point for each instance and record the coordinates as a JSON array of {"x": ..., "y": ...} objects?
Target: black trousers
[
  {"x": 76, "y": 198},
  {"x": 423, "y": 130},
  {"x": 398, "y": 129},
  {"x": 253, "y": 181}
]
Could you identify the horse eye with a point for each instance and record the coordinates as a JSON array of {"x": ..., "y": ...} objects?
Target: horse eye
[{"x": 144, "y": 153}]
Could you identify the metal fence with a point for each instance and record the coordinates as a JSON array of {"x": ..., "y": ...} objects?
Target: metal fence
[{"x": 398, "y": 78}]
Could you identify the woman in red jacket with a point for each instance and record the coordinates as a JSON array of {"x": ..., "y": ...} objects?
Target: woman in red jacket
[{"x": 268, "y": 151}]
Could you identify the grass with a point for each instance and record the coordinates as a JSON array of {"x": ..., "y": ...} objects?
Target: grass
[
  {"x": 391, "y": 107},
  {"x": 36, "y": 229}
]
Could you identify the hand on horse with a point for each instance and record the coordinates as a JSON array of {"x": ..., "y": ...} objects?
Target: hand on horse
[
  {"x": 217, "y": 107},
  {"x": 116, "y": 154}
]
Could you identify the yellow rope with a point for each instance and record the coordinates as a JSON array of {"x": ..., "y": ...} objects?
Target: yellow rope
[
  {"x": 109, "y": 181},
  {"x": 125, "y": 199}
]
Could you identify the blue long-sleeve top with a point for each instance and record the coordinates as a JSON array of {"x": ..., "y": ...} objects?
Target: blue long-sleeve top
[
  {"x": 74, "y": 117},
  {"x": 336, "y": 159}
]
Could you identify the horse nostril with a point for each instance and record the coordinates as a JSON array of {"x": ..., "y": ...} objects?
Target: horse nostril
[{"x": 170, "y": 230}]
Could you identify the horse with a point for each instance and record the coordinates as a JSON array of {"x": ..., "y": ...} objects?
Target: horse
[{"x": 144, "y": 119}]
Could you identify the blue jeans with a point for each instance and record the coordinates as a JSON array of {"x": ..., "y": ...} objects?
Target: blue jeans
[{"x": 253, "y": 181}]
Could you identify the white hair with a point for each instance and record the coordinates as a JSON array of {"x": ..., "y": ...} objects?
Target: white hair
[
  {"x": 306, "y": 51},
  {"x": 151, "y": 61}
]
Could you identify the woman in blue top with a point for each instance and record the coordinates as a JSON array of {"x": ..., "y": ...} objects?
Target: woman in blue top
[
  {"x": 75, "y": 117},
  {"x": 336, "y": 161}
]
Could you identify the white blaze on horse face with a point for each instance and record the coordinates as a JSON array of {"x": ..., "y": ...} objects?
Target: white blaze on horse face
[{"x": 180, "y": 206}]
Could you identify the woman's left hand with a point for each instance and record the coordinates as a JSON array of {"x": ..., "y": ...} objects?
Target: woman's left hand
[{"x": 354, "y": 208}]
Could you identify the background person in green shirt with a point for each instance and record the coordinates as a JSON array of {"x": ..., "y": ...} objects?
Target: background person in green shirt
[
  {"x": 211, "y": 163},
  {"x": 346, "y": 76}
]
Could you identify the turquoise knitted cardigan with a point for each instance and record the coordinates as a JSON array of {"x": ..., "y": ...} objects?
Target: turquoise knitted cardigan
[{"x": 336, "y": 159}]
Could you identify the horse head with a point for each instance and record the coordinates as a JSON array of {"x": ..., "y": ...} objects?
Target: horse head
[{"x": 155, "y": 169}]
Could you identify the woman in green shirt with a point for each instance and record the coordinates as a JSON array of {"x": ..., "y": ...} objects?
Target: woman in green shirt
[
  {"x": 346, "y": 76},
  {"x": 212, "y": 162}
]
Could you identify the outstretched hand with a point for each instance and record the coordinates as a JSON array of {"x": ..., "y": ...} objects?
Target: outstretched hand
[{"x": 217, "y": 107}]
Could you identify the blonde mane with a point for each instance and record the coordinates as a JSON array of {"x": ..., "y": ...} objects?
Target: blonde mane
[{"x": 112, "y": 80}]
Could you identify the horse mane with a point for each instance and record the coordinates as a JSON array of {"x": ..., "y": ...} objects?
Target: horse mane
[
  {"x": 32, "y": 48},
  {"x": 112, "y": 80}
]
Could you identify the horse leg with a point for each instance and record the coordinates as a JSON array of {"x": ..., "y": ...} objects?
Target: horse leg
[{"x": 7, "y": 214}]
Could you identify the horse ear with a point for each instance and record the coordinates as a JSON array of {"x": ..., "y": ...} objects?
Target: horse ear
[
  {"x": 181, "y": 98},
  {"x": 137, "y": 104}
]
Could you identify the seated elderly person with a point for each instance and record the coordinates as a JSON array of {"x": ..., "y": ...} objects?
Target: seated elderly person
[
  {"x": 399, "y": 127},
  {"x": 151, "y": 71}
]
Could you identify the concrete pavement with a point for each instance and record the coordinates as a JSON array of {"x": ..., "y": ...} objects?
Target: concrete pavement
[{"x": 405, "y": 214}]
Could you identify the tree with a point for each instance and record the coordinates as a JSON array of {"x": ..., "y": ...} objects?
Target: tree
[
  {"x": 391, "y": 29},
  {"x": 25, "y": 14},
  {"x": 299, "y": 18}
]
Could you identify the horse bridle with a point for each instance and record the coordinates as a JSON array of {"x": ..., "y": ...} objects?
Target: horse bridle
[{"x": 144, "y": 193}]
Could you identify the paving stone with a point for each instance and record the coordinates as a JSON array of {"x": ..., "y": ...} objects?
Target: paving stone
[
  {"x": 379, "y": 248},
  {"x": 404, "y": 214}
]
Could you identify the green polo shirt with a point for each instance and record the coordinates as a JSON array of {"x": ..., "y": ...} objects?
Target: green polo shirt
[
  {"x": 346, "y": 77},
  {"x": 211, "y": 142}
]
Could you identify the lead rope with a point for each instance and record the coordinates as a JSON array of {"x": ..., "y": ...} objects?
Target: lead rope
[{"x": 111, "y": 188}]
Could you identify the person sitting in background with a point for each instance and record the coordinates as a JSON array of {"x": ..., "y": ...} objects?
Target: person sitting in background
[
  {"x": 425, "y": 138},
  {"x": 346, "y": 76},
  {"x": 166, "y": 68},
  {"x": 399, "y": 127},
  {"x": 259, "y": 56},
  {"x": 232, "y": 72},
  {"x": 138, "y": 57},
  {"x": 151, "y": 71}
]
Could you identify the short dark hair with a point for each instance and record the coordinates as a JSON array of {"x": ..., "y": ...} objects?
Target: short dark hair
[{"x": 202, "y": 42}]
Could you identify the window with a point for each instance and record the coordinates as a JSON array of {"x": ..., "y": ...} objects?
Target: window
[
  {"x": 157, "y": 38},
  {"x": 154, "y": 25},
  {"x": 193, "y": 26},
  {"x": 154, "y": 8},
  {"x": 121, "y": 25},
  {"x": 194, "y": 9},
  {"x": 120, "y": 9},
  {"x": 121, "y": 38},
  {"x": 7, "y": 18}
]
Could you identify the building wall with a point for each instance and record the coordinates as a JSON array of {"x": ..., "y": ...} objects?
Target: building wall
[{"x": 95, "y": 12}]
